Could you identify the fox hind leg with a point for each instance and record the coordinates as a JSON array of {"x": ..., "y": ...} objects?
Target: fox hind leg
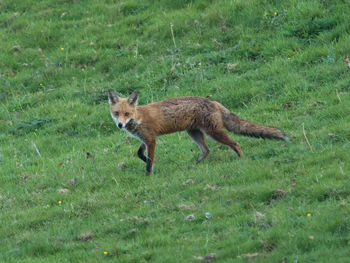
[
  {"x": 221, "y": 137},
  {"x": 198, "y": 137}
]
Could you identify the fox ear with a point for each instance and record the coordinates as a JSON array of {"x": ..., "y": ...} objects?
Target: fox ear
[
  {"x": 133, "y": 98},
  {"x": 112, "y": 97}
]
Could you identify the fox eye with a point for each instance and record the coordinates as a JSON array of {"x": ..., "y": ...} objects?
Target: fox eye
[
  {"x": 126, "y": 114},
  {"x": 116, "y": 113}
]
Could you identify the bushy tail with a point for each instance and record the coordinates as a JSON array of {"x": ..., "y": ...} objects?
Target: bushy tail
[{"x": 237, "y": 125}]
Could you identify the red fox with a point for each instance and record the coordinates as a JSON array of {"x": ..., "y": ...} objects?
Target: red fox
[{"x": 196, "y": 115}]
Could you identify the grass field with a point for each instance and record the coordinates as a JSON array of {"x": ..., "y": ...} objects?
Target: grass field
[{"x": 86, "y": 197}]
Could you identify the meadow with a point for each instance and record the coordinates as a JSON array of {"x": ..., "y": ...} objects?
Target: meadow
[{"x": 71, "y": 186}]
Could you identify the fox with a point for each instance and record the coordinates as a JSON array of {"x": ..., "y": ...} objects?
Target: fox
[{"x": 196, "y": 115}]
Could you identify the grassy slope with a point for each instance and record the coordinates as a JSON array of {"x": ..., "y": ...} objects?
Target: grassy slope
[{"x": 282, "y": 70}]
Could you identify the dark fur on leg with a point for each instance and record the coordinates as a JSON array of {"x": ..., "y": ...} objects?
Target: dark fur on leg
[{"x": 140, "y": 153}]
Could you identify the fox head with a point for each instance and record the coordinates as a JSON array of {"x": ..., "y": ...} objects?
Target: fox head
[{"x": 122, "y": 109}]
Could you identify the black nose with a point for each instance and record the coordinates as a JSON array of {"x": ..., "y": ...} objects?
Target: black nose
[{"x": 120, "y": 125}]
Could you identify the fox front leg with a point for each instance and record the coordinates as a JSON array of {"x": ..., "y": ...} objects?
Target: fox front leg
[
  {"x": 141, "y": 152},
  {"x": 151, "y": 146}
]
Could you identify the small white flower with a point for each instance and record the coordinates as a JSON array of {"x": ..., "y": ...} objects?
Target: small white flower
[{"x": 208, "y": 215}]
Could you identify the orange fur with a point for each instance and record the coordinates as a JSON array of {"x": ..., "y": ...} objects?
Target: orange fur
[{"x": 198, "y": 116}]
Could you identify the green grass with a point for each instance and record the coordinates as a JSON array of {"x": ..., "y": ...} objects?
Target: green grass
[{"x": 285, "y": 70}]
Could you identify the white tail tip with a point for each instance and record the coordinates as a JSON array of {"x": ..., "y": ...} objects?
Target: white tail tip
[{"x": 287, "y": 139}]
